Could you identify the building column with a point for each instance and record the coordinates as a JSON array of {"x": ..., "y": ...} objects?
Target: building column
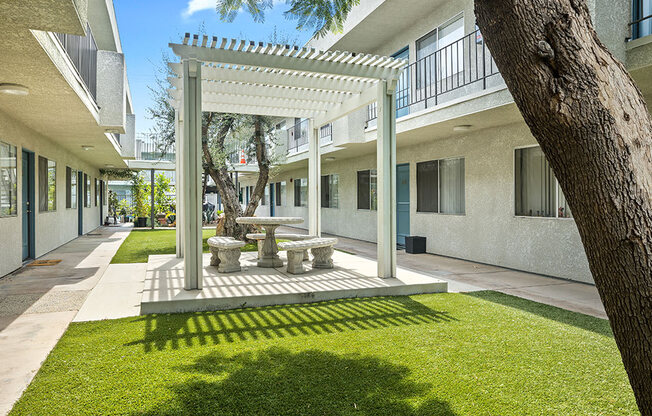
[
  {"x": 191, "y": 171},
  {"x": 151, "y": 199},
  {"x": 386, "y": 170},
  {"x": 314, "y": 181},
  {"x": 178, "y": 147}
]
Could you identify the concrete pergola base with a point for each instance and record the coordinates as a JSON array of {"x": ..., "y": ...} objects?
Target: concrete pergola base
[{"x": 352, "y": 277}]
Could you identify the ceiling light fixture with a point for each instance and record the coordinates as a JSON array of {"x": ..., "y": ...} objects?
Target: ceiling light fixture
[
  {"x": 329, "y": 158},
  {"x": 14, "y": 89},
  {"x": 462, "y": 127},
  {"x": 87, "y": 147}
]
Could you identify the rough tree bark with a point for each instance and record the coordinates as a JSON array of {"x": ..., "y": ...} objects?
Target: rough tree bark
[
  {"x": 224, "y": 183},
  {"x": 595, "y": 130}
]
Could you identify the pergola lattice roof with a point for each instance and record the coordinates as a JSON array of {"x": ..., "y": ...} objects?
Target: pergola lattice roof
[{"x": 260, "y": 78}]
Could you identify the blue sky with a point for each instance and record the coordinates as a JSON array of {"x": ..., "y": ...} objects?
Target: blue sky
[{"x": 147, "y": 26}]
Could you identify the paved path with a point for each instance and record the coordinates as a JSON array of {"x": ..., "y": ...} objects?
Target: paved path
[
  {"x": 38, "y": 302},
  {"x": 467, "y": 276}
]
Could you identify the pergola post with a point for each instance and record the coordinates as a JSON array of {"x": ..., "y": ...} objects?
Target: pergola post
[
  {"x": 151, "y": 199},
  {"x": 386, "y": 179},
  {"x": 178, "y": 146},
  {"x": 314, "y": 181},
  {"x": 191, "y": 169}
]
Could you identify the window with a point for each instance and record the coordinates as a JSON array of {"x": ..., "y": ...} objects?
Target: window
[
  {"x": 8, "y": 181},
  {"x": 641, "y": 12},
  {"x": 278, "y": 192},
  {"x": 537, "y": 191},
  {"x": 329, "y": 194},
  {"x": 97, "y": 193},
  {"x": 71, "y": 188},
  {"x": 367, "y": 191},
  {"x": 47, "y": 183},
  {"x": 87, "y": 191},
  {"x": 440, "y": 186},
  {"x": 301, "y": 192},
  {"x": 265, "y": 196}
]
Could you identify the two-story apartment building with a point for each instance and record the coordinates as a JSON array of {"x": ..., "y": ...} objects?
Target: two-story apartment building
[
  {"x": 470, "y": 176},
  {"x": 65, "y": 113}
]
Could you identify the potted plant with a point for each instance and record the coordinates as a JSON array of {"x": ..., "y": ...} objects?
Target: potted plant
[{"x": 140, "y": 203}]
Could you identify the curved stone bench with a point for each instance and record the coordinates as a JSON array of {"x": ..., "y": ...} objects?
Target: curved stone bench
[
  {"x": 260, "y": 239},
  {"x": 225, "y": 253},
  {"x": 322, "y": 252}
]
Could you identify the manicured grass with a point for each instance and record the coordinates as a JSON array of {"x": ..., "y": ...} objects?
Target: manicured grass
[
  {"x": 443, "y": 354},
  {"x": 142, "y": 243}
]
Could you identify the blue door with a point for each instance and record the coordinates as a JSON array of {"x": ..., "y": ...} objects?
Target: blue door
[
  {"x": 272, "y": 200},
  {"x": 402, "y": 203},
  {"x": 403, "y": 86},
  {"x": 27, "y": 201},
  {"x": 80, "y": 203}
]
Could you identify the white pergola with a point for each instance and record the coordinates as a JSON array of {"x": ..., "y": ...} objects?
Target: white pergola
[{"x": 237, "y": 76}]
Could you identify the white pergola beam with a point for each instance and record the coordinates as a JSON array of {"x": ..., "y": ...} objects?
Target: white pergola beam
[
  {"x": 264, "y": 90},
  {"x": 257, "y": 101},
  {"x": 279, "y": 78},
  {"x": 260, "y": 110},
  {"x": 348, "y": 106},
  {"x": 304, "y": 64}
]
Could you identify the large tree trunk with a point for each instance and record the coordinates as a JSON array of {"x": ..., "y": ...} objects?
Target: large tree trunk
[{"x": 595, "y": 130}]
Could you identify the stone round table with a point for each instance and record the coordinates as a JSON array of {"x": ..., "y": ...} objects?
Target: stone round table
[{"x": 270, "y": 224}]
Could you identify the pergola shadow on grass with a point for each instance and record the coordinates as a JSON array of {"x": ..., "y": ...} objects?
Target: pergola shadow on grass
[{"x": 174, "y": 331}]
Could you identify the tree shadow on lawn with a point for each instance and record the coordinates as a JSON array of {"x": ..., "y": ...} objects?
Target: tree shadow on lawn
[
  {"x": 187, "y": 329},
  {"x": 579, "y": 320},
  {"x": 277, "y": 381}
]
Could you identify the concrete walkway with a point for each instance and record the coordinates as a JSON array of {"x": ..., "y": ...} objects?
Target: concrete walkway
[
  {"x": 38, "y": 302},
  {"x": 467, "y": 276}
]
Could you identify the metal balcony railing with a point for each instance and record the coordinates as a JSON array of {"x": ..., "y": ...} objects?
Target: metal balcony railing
[
  {"x": 82, "y": 51},
  {"x": 297, "y": 136},
  {"x": 326, "y": 134},
  {"x": 151, "y": 147},
  {"x": 641, "y": 24},
  {"x": 460, "y": 68}
]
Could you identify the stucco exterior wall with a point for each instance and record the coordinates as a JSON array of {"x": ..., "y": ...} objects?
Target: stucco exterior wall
[
  {"x": 488, "y": 232},
  {"x": 52, "y": 229}
]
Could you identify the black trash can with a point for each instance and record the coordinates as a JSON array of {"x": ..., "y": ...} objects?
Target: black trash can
[{"x": 415, "y": 244}]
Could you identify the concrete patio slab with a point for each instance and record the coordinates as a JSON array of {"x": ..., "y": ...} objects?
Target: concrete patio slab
[{"x": 353, "y": 276}]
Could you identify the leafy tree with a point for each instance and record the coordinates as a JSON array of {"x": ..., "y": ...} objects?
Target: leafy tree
[
  {"x": 594, "y": 127},
  {"x": 139, "y": 195}
]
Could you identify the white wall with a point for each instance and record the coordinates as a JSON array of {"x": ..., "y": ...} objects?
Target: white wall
[
  {"x": 488, "y": 232},
  {"x": 52, "y": 229}
]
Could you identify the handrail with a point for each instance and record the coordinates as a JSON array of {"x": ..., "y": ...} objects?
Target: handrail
[{"x": 82, "y": 51}]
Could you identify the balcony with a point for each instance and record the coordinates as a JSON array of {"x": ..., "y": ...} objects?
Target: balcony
[
  {"x": 82, "y": 51},
  {"x": 297, "y": 137},
  {"x": 456, "y": 70}
]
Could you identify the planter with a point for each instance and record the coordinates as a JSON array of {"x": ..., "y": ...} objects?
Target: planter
[
  {"x": 415, "y": 245},
  {"x": 141, "y": 222}
]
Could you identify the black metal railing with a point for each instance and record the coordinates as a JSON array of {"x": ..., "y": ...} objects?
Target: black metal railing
[
  {"x": 455, "y": 70},
  {"x": 297, "y": 135},
  {"x": 82, "y": 51},
  {"x": 641, "y": 24},
  {"x": 151, "y": 147}
]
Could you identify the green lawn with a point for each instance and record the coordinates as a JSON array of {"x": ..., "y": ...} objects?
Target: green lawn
[
  {"x": 142, "y": 243},
  {"x": 442, "y": 354}
]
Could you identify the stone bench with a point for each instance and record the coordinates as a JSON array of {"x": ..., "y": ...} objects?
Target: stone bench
[
  {"x": 322, "y": 252},
  {"x": 225, "y": 253},
  {"x": 260, "y": 239}
]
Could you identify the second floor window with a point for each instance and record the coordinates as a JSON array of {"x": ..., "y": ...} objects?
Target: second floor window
[
  {"x": 537, "y": 191},
  {"x": 641, "y": 18}
]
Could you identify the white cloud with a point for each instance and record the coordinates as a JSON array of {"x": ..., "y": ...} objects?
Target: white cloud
[{"x": 195, "y": 6}]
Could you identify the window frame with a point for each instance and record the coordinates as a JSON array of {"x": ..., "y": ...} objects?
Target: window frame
[
  {"x": 298, "y": 201},
  {"x": 439, "y": 176},
  {"x": 328, "y": 191},
  {"x": 373, "y": 205},
  {"x": 557, "y": 190},
  {"x": 47, "y": 197},
  {"x": 12, "y": 197}
]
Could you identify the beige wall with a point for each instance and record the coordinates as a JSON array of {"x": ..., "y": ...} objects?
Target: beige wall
[
  {"x": 52, "y": 229},
  {"x": 488, "y": 232}
]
